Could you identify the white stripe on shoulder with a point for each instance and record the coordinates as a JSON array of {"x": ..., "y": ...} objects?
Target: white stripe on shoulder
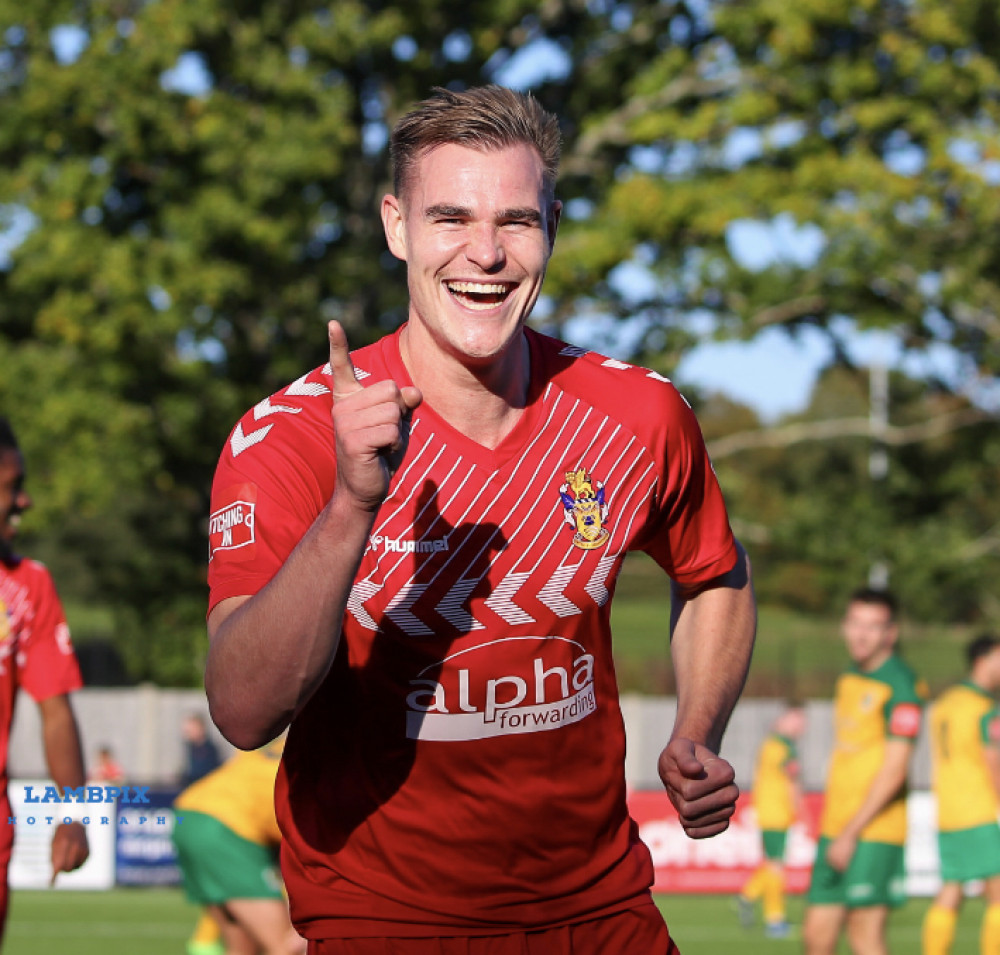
[{"x": 310, "y": 388}]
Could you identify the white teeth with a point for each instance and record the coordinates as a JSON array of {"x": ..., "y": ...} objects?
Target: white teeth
[
  {"x": 477, "y": 288},
  {"x": 14, "y": 520},
  {"x": 479, "y": 306}
]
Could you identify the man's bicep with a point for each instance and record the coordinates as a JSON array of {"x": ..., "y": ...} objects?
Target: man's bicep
[
  {"x": 222, "y": 611},
  {"x": 991, "y": 756},
  {"x": 897, "y": 755},
  {"x": 54, "y": 709}
]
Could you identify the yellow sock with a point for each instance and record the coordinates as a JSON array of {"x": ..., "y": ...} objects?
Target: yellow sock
[
  {"x": 206, "y": 931},
  {"x": 989, "y": 938},
  {"x": 756, "y": 884},
  {"x": 774, "y": 896},
  {"x": 939, "y": 930}
]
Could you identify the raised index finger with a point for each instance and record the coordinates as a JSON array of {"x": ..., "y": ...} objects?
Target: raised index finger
[{"x": 345, "y": 382}]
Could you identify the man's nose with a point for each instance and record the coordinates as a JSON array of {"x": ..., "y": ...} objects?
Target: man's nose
[
  {"x": 22, "y": 500},
  {"x": 485, "y": 247}
]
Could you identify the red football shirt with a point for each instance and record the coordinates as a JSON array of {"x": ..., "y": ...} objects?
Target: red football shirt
[
  {"x": 35, "y": 649},
  {"x": 461, "y": 770}
]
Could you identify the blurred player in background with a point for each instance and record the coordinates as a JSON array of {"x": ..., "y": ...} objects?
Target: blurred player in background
[
  {"x": 227, "y": 839},
  {"x": 965, "y": 761},
  {"x": 412, "y": 561},
  {"x": 201, "y": 755},
  {"x": 106, "y": 768},
  {"x": 35, "y": 655},
  {"x": 858, "y": 874},
  {"x": 777, "y": 801}
]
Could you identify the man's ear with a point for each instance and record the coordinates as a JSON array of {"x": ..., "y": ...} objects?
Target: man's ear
[
  {"x": 555, "y": 214},
  {"x": 392, "y": 223}
]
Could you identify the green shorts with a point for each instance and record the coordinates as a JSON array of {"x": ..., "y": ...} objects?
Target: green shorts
[
  {"x": 968, "y": 854},
  {"x": 774, "y": 843},
  {"x": 876, "y": 876},
  {"x": 219, "y": 865}
]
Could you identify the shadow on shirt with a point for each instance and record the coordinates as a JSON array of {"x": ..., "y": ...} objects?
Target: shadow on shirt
[{"x": 355, "y": 743}]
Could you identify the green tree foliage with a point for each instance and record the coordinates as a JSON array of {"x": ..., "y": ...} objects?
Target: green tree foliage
[
  {"x": 804, "y": 498},
  {"x": 871, "y": 125},
  {"x": 195, "y": 189}
]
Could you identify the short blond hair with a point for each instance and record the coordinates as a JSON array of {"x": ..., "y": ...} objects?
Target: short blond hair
[{"x": 482, "y": 117}]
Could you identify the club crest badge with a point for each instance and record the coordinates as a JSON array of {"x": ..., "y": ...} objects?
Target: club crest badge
[{"x": 585, "y": 509}]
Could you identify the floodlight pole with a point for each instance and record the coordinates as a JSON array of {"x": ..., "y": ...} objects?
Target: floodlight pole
[{"x": 878, "y": 455}]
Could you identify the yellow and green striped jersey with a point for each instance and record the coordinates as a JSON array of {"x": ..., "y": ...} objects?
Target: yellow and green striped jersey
[
  {"x": 240, "y": 794},
  {"x": 963, "y": 722},
  {"x": 773, "y": 782},
  {"x": 869, "y": 709}
]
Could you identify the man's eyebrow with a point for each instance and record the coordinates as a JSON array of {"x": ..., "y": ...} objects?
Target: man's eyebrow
[
  {"x": 523, "y": 215},
  {"x": 445, "y": 211}
]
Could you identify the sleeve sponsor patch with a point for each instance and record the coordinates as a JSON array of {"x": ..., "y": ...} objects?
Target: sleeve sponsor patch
[
  {"x": 993, "y": 730},
  {"x": 63, "y": 641},
  {"x": 905, "y": 720},
  {"x": 232, "y": 525}
]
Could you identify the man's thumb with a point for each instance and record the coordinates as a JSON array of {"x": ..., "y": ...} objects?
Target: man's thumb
[{"x": 686, "y": 759}]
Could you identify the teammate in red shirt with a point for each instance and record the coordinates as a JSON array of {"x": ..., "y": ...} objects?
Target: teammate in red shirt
[
  {"x": 422, "y": 591},
  {"x": 35, "y": 655}
]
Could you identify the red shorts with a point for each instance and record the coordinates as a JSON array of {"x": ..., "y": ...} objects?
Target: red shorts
[{"x": 639, "y": 931}]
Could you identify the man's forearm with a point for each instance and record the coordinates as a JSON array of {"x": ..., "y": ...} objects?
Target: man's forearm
[
  {"x": 61, "y": 741},
  {"x": 886, "y": 786},
  {"x": 268, "y": 655},
  {"x": 711, "y": 644},
  {"x": 992, "y": 757}
]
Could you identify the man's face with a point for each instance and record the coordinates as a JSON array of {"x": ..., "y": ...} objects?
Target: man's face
[
  {"x": 869, "y": 632},
  {"x": 476, "y": 230},
  {"x": 14, "y": 500},
  {"x": 992, "y": 669}
]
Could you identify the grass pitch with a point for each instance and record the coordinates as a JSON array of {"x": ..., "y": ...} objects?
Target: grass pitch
[
  {"x": 155, "y": 921},
  {"x": 158, "y": 921}
]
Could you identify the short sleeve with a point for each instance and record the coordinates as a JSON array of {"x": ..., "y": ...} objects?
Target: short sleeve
[
  {"x": 45, "y": 661},
  {"x": 689, "y": 534},
  {"x": 792, "y": 759},
  {"x": 265, "y": 496},
  {"x": 905, "y": 707},
  {"x": 989, "y": 727}
]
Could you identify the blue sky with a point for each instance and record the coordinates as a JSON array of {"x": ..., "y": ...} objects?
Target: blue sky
[{"x": 774, "y": 373}]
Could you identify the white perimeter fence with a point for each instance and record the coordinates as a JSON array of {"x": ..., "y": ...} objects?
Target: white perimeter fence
[{"x": 142, "y": 725}]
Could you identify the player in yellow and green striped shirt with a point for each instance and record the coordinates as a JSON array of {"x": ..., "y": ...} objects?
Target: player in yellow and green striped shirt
[
  {"x": 777, "y": 802},
  {"x": 226, "y": 838},
  {"x": 965, "y": 754},
  {"x": 858, "y": 874}
]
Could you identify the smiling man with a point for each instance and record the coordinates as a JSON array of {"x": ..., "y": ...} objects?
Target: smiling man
[
  {"x": 412, "y": 556},
  {"x": 35, "y": 655}
]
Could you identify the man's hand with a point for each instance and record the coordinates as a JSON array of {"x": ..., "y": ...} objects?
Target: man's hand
[
  {"x": 371, "y": 427},
  {"x": 69, "y": 848},
  {"x": 840, "y": 851},
  {"x": 700, "y": 785}
]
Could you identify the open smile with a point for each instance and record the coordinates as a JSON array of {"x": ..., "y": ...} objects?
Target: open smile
[{"x": 480, "y": 296}]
